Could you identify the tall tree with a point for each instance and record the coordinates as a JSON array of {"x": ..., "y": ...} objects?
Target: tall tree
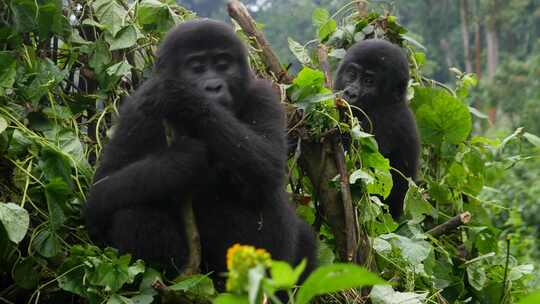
[{"x": 463, "y": 13}]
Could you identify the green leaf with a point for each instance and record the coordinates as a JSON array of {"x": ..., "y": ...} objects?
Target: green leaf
[
  {"x": 111, "y": 14},
  {"x": 387, "y": 295},
  {"x": 52, "y": 20},
  {"x": 143, "y": 299},
  {"x": 477, "y": 113},
  {"x": 119, "y": 69},
  {"x": 198, "y": 284},
  {"x": 8, "y": 71},
  {"x": 441, "y": 117},
  {"x": 67, "y": 142},
  {"x": 47, "y": 244},
  {"x": 533, "y": 298},
  {"x": 420, "y": 58},
  {"x": 255, "y": 277},
  {"x": 55, "y": 165},
  {"x": 283, "y": 276},
  {"x": 101, "y": 56},
  {"x": 227, "y": 298},
  {"x": 517, "y": 272},
  {"x": 308, "y": 102},
  {"x": 325, "y": 254},
  {"x": 76, "y": 38},
  {"x": 15, "y": 220},
  {"x": 533, "y": 139},
  {"x": 327, "y": 29},
  {"x": 73, "y": 280},
  {"x": 416, "y": 206},
  {"x": 382, "y": 246},
  {"x": 309, "y": 77},
  {"x": 112, "y": 275},
  {"x": 135, "y": 269},
  {"x": 19, "y": 144},
  {"x": 3, "y": 124},
  {"x": 94, "y": 23},
  {"x": 58, "y": 112},
  {"x": 414, "y": 251},
  {"x": 320, "y": 17},
  {"x": 26, "y": 274},
  {"x": 153, "y": 15},
  {"x": 476, "y": 275},
  {"x": 48, "y": 75},
  {"x": 299, "y": 51},
  {"x": 334, "y": 278},
  {"x": 126, "y": 38},
  {"x": 25, "y": 13},
  {"x": 56, "y": 193},
  {"x": 382, "y": 183},
  {"x": 362, "y": 175},
  {"x": 338, "y": 53},
  {"x": 118, "y": 299}
]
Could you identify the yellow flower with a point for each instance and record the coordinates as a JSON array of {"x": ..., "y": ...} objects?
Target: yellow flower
[{"x": 240, "y": 259}]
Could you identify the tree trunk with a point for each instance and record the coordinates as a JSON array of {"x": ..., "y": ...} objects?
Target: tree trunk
[
  {"x": 448, "y": 55},
  {"x": 492, "y": 44},
  {"x": 465, "y": 34},
  {"x": 478, "y": 49}
]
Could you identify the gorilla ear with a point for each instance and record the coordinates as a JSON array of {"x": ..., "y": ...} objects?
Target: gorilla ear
[{"x": 400, "y": 92}]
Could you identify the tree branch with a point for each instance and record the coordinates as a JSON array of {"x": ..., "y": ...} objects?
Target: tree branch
[
  {"x": 453, "y": 223},
  {"x": 238, "y": 12},
  {"x": 193, "y": 263}
]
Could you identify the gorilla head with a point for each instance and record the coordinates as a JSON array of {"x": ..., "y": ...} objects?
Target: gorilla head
[
  {"x": 373, "y": 73},
  {"x": 205, "y": 57}
]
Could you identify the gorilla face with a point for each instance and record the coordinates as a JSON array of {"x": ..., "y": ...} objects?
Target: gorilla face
[
  {"x": 360, "y": 84},
  {"x": 213, "y": 73},
  {"x": 206, "y": 59},
  {"x": 373, "y": 73}
]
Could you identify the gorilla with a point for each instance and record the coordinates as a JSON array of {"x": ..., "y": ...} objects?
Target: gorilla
[
  {"x": 228, "y": 158},
  {"x": 373, "y": 77}
]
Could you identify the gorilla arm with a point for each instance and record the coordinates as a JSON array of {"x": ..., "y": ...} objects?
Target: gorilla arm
[
  {"x": 138, "y": 168},
  {"x": 252, "y": 145}
]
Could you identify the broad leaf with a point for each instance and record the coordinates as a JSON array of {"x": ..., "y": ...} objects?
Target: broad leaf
[
  {"x": 441, "y": 117},
  {"x": 334, "y": 278},
  {"x": 111, "y": 14},
  {"x": 387, "y": 295},
  {"x": 320, "y": 16},
  {"x": 126, "y": 38},
  {"x": 299, "y": 51},
  {"x": 15, "y": 220}
]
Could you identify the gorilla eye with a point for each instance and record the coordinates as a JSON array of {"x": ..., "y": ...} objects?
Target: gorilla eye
[
  {"x": 196, "y": 66},
  {"x": 223, "y": 62},
  {"x": 351, "y": 73},
  {"x": 368, "y": 80}
]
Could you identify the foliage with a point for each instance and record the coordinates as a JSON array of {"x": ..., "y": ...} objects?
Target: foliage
[
  {"x": 454, "y": 179},
  {"x": 64, "y": 68},
  {"x": 248, "y": 281}
]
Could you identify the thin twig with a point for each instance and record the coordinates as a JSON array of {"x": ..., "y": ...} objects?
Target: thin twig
[{"x": 453, "y": 223}]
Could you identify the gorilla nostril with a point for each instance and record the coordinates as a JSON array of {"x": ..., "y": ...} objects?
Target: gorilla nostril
[
  {"x": 350, "y": 94},
  {"x": 214, "y": 87}
]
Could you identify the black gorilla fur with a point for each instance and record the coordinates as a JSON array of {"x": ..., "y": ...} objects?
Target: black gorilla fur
[
  {"x": 229, "y": 157},
  {"x": 373, "y": 77}
]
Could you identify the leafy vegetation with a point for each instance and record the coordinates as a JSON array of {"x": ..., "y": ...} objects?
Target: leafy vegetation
[{"x": 65, "y": 67}]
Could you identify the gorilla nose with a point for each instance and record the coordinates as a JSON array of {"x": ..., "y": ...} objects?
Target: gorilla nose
[
  {"x": 350, "y": 95},
  {"x": 213, "y": 86}
]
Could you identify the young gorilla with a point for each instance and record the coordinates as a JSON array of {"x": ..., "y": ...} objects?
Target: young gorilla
[
  {"x": 228, "y": 157},
  {"x": 373, "y": 77}
]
